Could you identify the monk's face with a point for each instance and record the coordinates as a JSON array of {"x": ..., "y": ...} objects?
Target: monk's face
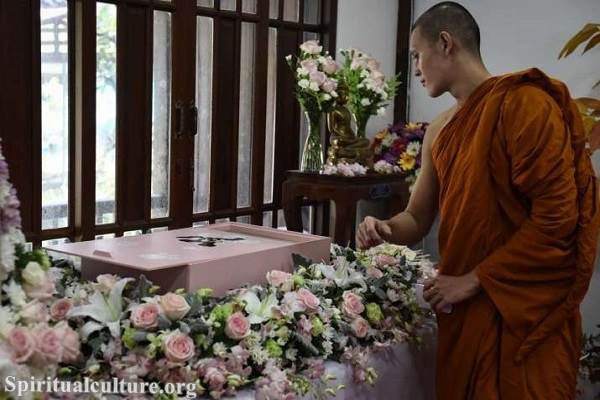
[{"x": 432, "y": 65}]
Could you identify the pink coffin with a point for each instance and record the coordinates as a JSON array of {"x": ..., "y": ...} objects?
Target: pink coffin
[{"x": 171, "y": 263}]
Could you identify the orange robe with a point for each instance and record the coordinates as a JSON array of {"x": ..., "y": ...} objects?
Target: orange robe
[{"x": 519, "y": 204}]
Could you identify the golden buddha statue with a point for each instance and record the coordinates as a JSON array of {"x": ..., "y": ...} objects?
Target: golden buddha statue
[{"x": 345, "y": 146}]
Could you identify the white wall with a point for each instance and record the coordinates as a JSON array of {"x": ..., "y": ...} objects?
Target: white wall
[
  {"x": 518, "y": 34},
  {"x": 371, "y": 26}
]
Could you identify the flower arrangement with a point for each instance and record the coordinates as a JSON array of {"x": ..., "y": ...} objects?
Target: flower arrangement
[
  {"x": 345, "y": 169},
  {"x": 315, "y": 74},
  {"x": 273, "y": 338},
  {"x": 397, "y": 149},
  {"x": 368, "y": 91}
]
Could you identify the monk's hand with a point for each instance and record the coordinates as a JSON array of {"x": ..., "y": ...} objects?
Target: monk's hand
[
  {"x": 443, "y": 291},
  {"x": 372, "y": 232}
]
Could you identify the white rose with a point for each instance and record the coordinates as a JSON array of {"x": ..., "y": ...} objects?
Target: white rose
[
  {"x": 365, "y": 102},
  {"x": 326, "y": 97},
  {"x": 302, "y": 71},
  {"x": 34, "y": 274},
  {"x": 311, "y": 47},
  {"x": 303, "y": 83},
  {"x": 288, "y": 57},
  {"x": 314, "y": 86},
  {"x": 381, "y": 111}
]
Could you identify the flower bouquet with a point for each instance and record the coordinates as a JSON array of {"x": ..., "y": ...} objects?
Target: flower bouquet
[
  {"x": 315, "y": 73},
  {"x": 368, "y": 91},
  {"x": 397, "y": 149}
]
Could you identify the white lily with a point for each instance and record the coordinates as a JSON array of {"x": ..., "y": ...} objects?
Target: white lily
[
  {"x": 104, "y": 310},
  {"x": 259, "y": 311},
  {"x": 342, "y": 274}
]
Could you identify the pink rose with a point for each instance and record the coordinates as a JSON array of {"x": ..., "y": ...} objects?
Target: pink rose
[
  {"x": 22, "y": 344},
  {"x": 70, "y": 342},
  {"x": 308, "y": 300},
  {"x": 383, "y": 259},
  {"x": 48, "y": 344},
  {"x": 360, "y": 327},
  {"x": 329, "y": 85},
  {"x": 34, "y": 311},
  {"x": 304, "y": 325},
  {"x": 237, "y": 326},
  {"x": 373, "y": 272},
  {"x": 60, "y": 308},
  {"x": 214, "y": 378},
  {"x": 329, "y": 66},
  {"x": 145, "y": 316},
  {"x": 311, "y": 47},
  {"x": 309, "y": 65},
  {"x": 280, "y": 279},
  {"x": 317, "y": 77},
  {"x": 174, "y": 306},
  {"x": 43, "y": 291},
  {"x": 352, "y": 305},
  {"x": 178, "y": 348}
]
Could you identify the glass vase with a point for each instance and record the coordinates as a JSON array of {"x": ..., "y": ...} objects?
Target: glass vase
[
  {"x": 312, "y": 154},
  {"x": 361, "y": 124}
]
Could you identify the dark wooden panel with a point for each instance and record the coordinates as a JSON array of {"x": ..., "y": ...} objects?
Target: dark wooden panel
[
  {"x": 225, "y": 115},
  {"x": 133, "y": 130},
  {"x": 405, "y": 10},
  {"x": 85, "y": 122},
  {"x": 260, "y": 111},
  {"x": 183, "y": 84},
  {"x": 20, "y": 112},
  {"x": 287, "y": 121}
]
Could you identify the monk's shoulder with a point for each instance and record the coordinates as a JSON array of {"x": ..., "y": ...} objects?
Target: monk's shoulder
[
  {"x": 527, "y": 99},
  {"x": 436, "y": 125}
]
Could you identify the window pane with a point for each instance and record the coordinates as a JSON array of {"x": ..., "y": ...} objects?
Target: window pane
[
  {"x": 161, "y": 114},
  {"x": 281, "y": 220},
  {"x": 106, "y": 107},
  {"x": 267, "y": 218},
  {"x": 249, "y": 6},
  {"x": 55, "y": 113},
  {"x": 228, "y": 5},
  {"x": 307, "y": 219},
  {"x": 245, "y": 219},
  {"x": 204, "y": 73},
  {"x": 244, "y": 173},
  {"x": 291, "y": 10},
  {"x": 206, "y": 3},
  {"x": 312, "y": 11},
  {"x": 271, "y": 112},
  {"x": 274, "y": 9}
]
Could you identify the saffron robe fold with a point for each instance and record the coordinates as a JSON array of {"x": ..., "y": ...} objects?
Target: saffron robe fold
[{"x": 518, "y": 203}]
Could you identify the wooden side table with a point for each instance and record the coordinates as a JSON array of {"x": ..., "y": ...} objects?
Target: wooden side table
[{"x": 345, "y": 192}]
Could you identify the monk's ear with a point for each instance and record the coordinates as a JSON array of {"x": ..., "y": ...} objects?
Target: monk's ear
[{"x": 446, "y": 42}]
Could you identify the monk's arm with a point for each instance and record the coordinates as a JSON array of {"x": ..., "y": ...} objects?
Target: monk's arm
[{"x": 411, "y": 225}]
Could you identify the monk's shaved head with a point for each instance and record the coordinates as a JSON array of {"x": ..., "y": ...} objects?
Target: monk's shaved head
[{"x": 453, "y": 18}]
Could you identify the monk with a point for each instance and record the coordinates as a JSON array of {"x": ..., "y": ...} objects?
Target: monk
[{"x": 508, "y": 172}]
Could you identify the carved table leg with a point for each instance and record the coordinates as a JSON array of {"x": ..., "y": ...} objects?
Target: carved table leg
[{"x": 292, "y": 204}]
